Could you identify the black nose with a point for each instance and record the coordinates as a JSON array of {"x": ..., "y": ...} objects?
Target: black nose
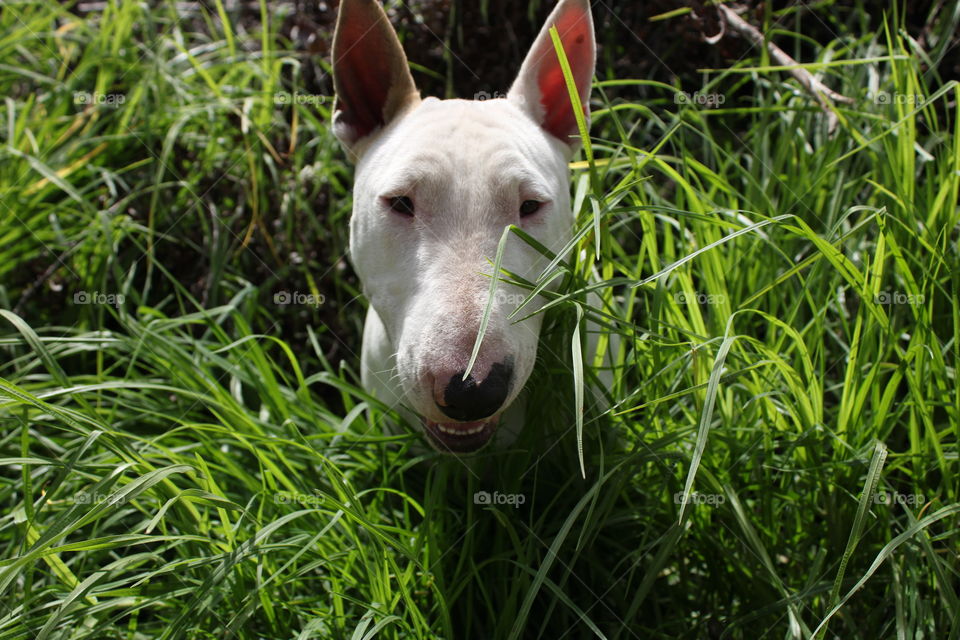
[{"x": 467, "y": 401}]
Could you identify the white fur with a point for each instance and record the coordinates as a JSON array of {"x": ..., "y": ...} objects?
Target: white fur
[
  {"x": 430, "y": 295},
  {"x": 468, "y": 166}
]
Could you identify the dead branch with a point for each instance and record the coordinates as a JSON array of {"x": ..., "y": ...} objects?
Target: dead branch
[{"x": 820, "y": 92}]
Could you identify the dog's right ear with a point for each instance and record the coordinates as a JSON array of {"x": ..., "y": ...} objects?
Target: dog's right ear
[{"x": 371, "y": 77}]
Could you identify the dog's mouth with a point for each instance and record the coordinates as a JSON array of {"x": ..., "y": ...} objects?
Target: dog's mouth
[{"x": 460, "y": 437}]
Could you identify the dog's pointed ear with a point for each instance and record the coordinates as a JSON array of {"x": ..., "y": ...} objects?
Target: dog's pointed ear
[
  {"x": 540, "y": 88},
  {"x": 371, "y": 77}
]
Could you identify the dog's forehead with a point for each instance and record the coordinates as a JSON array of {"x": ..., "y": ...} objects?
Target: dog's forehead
[
  {"x": 466, "y": 135},
  {"x": 485, "y": 121}
]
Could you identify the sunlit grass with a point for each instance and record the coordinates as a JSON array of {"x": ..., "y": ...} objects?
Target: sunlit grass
[{"x": 185, "y": 456}]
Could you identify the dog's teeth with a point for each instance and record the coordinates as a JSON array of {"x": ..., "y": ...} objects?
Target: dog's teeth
[{"x": 461, "y": 432}]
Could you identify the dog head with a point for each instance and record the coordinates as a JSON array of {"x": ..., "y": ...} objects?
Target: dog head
[{"x": 437, "y": 183}]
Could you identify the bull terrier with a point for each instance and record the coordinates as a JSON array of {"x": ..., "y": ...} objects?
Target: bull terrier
[{"x": 436, "y": 184}]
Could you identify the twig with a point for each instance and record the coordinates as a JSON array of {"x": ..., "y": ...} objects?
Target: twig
[{"x": 820, "y": 92}]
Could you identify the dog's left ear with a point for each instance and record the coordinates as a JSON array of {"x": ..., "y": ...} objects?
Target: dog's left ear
[
  {"x": 540, "y": 88},
  {"x": 371, "y": 77}
]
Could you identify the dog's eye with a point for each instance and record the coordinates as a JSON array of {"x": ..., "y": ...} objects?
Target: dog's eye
[
  {"x": 529, "y": 207},
  {"x": 401, "y": 204}
]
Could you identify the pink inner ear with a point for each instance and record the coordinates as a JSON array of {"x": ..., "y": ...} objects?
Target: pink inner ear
[
  {"x": 574, "y": 29},
  {"x": 363, "y": 74}
]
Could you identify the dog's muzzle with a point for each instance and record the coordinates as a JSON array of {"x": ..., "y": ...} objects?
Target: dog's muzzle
[{"x": 472, "y": 407}]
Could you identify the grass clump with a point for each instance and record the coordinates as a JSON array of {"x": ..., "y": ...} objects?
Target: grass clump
[{"x": 184, "y": 455}]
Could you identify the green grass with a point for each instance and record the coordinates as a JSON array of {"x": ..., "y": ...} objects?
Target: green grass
[{"x": 182, "y": 457}]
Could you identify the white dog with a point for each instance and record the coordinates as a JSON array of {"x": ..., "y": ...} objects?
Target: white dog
[{"x": 437, "y": 182}]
